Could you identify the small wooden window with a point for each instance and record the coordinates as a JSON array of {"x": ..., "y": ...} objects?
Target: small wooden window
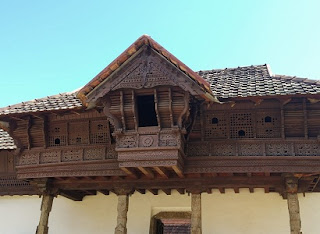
[
  {"x": 267, "y": 119},
  {"x": 214, "y": 120},
  {"x": 241, "y": 133},
  {"x": 146, "y": 111}
]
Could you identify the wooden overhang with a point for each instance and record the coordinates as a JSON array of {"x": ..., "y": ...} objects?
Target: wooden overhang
[{"x": 88, "y": 94}]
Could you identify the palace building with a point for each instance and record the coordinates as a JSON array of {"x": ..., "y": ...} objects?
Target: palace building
[{"x": 150, "y": 146}]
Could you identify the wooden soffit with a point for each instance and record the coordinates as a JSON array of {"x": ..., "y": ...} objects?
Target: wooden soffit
[{"x": 142, "y": 58}]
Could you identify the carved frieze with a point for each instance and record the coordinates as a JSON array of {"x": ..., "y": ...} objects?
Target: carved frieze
[
  {"x": 254, "y": 149},
  {"x": 167, "y": 139},
  {"x": 50, "y": 157},
  {"x": 148, "y": 140},
  {"x": 29, "y": 159},
  {"x": 279, "y": 149},
  {"x": 126, "y": 141},
  {"x": 307, "y": 149},
  {"x": 72, "y": 155},
  {"x": 223, "y": 149},
  {"x": 94, "y": 154}
]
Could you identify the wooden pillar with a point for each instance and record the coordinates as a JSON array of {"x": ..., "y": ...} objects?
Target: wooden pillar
[
  {"x": 196, "y": 213},
  {"x": 46, "y": 205},
  {"x": 293, "y": 205},
  {"x": 123, "y": 205}
]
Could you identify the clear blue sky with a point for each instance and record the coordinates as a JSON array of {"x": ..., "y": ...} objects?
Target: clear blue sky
[{"x": 48, "y": 47}]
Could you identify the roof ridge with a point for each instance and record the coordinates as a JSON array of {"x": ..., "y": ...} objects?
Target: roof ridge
[
  {"x": 233, "y": 68},
  {"x": 297, "y": 79}
]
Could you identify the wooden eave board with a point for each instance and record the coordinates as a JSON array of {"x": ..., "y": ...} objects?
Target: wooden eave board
[{"x": 131, "y": 51}]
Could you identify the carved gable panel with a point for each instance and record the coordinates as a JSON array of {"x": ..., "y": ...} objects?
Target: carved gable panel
[{"x": 147, "y": 69}]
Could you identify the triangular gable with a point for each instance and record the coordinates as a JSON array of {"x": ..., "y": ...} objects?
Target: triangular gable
[{"x": 133, "y": 67}]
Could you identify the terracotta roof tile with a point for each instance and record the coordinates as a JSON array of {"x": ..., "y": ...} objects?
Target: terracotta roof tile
[
  {"x": 256, "y": 81},
  {"x": 6, "y": 142},
  {"x": 61, "y": 101}
]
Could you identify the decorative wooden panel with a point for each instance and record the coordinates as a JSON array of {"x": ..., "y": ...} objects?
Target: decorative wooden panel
[
  {"x": 294, "y": 119},
  {"x": 21, "y": 132},
  {"x": 57, "y": 134},
  {"x": 78, "y": 133},
  {"x": 37, "y": 132},
  {"x": 99, "y": 131},
  {"x": 241, "y": 125},
  {"x": 254, "y": 148},
  {"x": 72, "y": 155},
  {"x": 313, "y": 118},
  {"x": 268, "y": 124},
  {"x": 216, "y": 125}
]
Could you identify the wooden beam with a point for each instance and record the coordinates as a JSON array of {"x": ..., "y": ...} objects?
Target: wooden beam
[
  {"x": 142, "y": 191},
  {"x": 156, "y": 106},
  {"x": 305, "y": 117},
  {"x": 236, "y": 190},
  {"x": 167, "y": 191},
  {"x": 46, "y": 207},
  {"x": 73, "y": 195},
  {"x": 178, "y": 171},
  {"x": 162, "y": 172},
  {"x": 170, "y": 107},
  {"x": 153, "y": 191},
  {"x": 181, "y": 191},
  {"x": 147, "y": 171},
  {"x": 104, "y": 191},
  {"x": 122, "y": 110},
  {"x": 90, "y": 192},
  {"x": 251, "y": 189},
  {"x": 130, "y": 172},
  {"x": 222, "y": 190}
]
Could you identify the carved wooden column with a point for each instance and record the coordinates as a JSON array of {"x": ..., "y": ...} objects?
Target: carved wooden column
[
  {"x": 293, "y": 205},
  {"x": 123, "y": 205},
  {"x": 196, "y": 213},
  {"x": 48, "y": 193},
  {"x": 46, "y": 205}
]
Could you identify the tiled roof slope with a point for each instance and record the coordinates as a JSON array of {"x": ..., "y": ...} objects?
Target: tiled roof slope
[
  {"x": 6, "y": 142},
  {"x": 256, "y": 81},
  {"x": 225, "y": 83},
  {"x": 61, "y": 101}
]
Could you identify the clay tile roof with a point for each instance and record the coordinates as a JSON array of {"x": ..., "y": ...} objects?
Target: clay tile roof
[
  {"x": 61, "y": 101},
  {"x": 256, "y": 81},
  {"x": 122, "y": 58},
  {"x": 6, "y": 142}
]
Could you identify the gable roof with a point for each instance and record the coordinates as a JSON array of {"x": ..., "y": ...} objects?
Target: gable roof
[
  {"x": 132, "y": 50},
  {"x": 248, "y": 81},
  {"x": 253, "y": 81},
  {"x": 6, "y": 141}
]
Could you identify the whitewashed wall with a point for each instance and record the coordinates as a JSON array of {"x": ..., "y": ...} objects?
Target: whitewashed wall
[{"x": 228, "y": 213}]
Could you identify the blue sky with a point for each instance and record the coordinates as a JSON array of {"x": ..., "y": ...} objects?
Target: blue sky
[{"x": 49, "y": 47}]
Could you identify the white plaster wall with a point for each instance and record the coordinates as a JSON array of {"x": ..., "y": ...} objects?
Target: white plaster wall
[{"x": 229, "y": 213}]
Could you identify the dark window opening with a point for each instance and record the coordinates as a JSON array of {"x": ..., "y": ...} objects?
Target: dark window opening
[
  {"x": 166, "y": 226},
  {"x": 146, "y": 111},
  {"x": 214, "y": 120},
  {"x": 57, "y": 141},
  {"x": 267, "y": 119},
  {"x": 78, "y": 140},
  {"x": 241, "y": 133}
]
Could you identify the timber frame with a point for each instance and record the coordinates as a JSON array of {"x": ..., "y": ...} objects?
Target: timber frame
[{"x": 189, "y": 141}]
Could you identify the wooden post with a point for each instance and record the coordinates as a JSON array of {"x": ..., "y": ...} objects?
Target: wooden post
[
  {"x": 46, "y": 205},
  {"x": 123, "y": 205},
  {"x": 293, "y": 205},
  {"x": 196, "y": 213}
]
